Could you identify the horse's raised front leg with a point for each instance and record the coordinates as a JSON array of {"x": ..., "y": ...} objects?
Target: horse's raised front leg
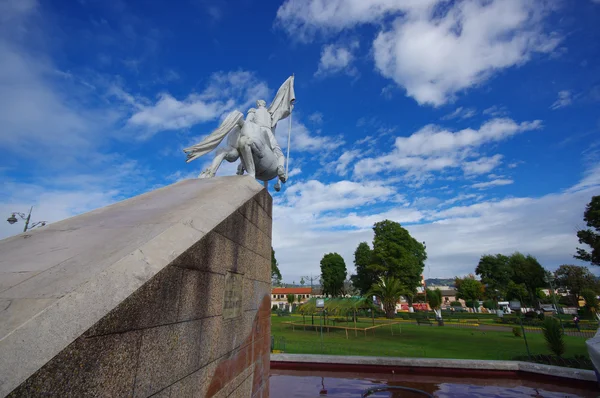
[{"x": 229, "y": 154}]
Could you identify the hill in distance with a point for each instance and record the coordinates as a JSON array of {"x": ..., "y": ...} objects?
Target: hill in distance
[{"x": 439, "y": 282}]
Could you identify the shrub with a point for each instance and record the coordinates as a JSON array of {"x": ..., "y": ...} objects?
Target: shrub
[
  {"x": 541, "y": 316},
  {"x": 472, "y": 303},
  {"x": 489, "y": 304},
  {"x": 455, "y": 304},
  {"x": 530, "y": 315},
  {"x": 517, "y": 331},
  {"x": 274, "y": 308},
  {"x": 553, "y": 336}
]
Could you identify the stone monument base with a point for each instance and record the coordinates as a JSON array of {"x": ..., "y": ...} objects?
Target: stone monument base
[{"x": 181, "y": 311}]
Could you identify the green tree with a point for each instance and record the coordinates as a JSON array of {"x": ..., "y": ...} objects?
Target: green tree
[
  {"x": 575, "y": 279},
  {"x": 516, "y": 291},
  {"x": 302, "y": 281},
  {"x": 396, "y": 253},
  {"x": 591, "y": 301},
  {"x": 333, "y": 274},
  {"x": 553, "y": 335},
  {"x": 388, "y": 290},
  {"x": 469, "y": 289},
  {"x": 591, "y": 235},
  {"x": 367, "y": 273},
  {"x": 526, "y": 270},
  {"x": 495, "y": 273},
  {"x": 434, "y": 298},
  {"x": 275, "y": 274}
]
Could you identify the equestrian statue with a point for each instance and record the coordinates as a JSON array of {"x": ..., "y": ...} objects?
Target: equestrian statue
[{"x": 251, "y": 140}]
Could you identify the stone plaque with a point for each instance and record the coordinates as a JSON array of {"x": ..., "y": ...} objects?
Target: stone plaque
[{"x": 232, "y": 301}]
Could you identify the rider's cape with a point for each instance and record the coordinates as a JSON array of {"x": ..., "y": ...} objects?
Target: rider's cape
[
  {"x": 280, "y": 108},
  {"x": 230, "y": 123}
]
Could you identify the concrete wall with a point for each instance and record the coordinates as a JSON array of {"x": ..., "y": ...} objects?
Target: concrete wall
[{"x": 200, "y": 326}]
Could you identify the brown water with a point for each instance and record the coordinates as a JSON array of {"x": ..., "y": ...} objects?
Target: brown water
[{"x": 301, "y": 384}]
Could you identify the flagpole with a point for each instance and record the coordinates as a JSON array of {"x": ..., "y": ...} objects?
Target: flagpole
[{"x": 287, "y": 158}]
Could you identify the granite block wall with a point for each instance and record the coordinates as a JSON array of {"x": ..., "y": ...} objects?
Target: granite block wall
[{"x": 198, "y": 328}]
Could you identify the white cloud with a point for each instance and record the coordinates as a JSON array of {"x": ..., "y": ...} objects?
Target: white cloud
[
  {"x": 304, "y": 19},
  {"x": 432, "y": 148},
  {"x": 341, "y": 165},
  {"x": 495, "y": 111},
  {"x": 224, "y": 93},
  {"x": 71, "y": 193},
  {"x": 435, "y": 58},
  {"x": 433, "y": 140},
  {"x": 387, "y": 91},
  {"x": 13, "y": 11},
  {"x": 50, "y": 205},
  {"x": 336, "y": 59},
  {"x": 294, "y": 172},
  {"x": 37, "y": 115},
  {"x": 316, "y": 197},
  {"x": 303, "y": 140},
  {"x": 53, "y": 122},
  {"x": 432, "y": 48},
  {"x": 459, "y": 198},
  {"x": 456, "y": 237},
  {"x": 591, "y": 179},
  {"x": 366, "y": 140},
  {"x": 564, "y": 99},
  {"x": 482, "y": 165},
  {"x": 361, "y": 222},
  {"x": 169, "y": 113},
  {"x": 316, "y": 117},
  {"x": 460, "y": 112},
  {"x": 493, "y": 183}
]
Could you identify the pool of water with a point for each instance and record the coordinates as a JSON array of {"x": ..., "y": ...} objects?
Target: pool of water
[{"x": 301, "y": 383}]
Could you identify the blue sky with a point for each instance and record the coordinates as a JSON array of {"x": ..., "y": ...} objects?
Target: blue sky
[{"x": 473, "y": 123}]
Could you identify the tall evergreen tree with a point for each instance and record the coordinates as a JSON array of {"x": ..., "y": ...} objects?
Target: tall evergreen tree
[
  {"x": 275, "y": 274},
  {"x": 333, "y": 274},
  {"x": 590, "y": 236},
  {"x": 366, "y": 275},
  {"x": 495, "y": 273},
  {"x": 396, "y": 253}
]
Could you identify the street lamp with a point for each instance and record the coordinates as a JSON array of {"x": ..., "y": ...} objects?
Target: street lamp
[
  {"x": 13, "y": 219},
  {"x": 549, "y": 278}
]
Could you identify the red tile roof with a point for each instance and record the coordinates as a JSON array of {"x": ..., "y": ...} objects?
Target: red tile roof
[{"x": 291, "y": 290}]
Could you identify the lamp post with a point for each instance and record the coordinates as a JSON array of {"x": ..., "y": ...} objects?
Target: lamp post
[
  {"x": 548, "y": 278},
  {"x": 13, "y": 219}
]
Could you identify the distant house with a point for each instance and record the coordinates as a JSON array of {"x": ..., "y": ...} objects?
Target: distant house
[
  {"x": 279, "y": 295},
  {"x": 448, "y": 296}
]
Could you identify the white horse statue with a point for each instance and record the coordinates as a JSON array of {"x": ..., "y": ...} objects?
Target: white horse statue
[{"x": 251, "y": 140}]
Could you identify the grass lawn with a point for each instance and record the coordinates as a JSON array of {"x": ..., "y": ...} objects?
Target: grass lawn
[{"x": 414, "y": 341}]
